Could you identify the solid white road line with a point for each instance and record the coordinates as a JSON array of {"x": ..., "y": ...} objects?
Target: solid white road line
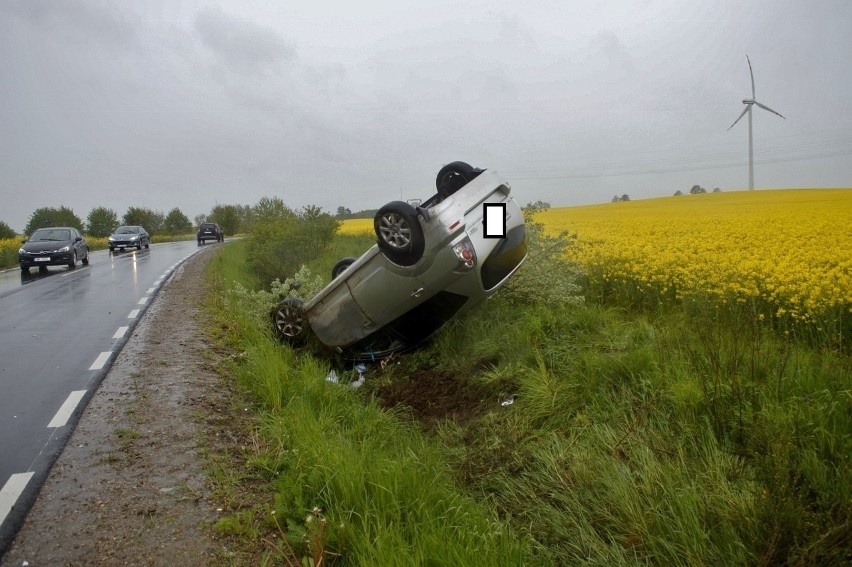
[
  {"x": 100, "y": 361},
  {"x": 133, "y": 314},
  {"x": 67, "y": 408},
  {"x": 120, "y": 332},
  {"x": 11, "y": 491}
]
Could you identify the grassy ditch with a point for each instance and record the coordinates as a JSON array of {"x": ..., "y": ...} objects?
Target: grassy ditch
[{"x": 538, "y": 432}]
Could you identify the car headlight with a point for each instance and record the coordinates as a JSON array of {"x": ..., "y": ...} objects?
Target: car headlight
[
  {"x": 64, "y": 249},
  {"x": 134, "y": 238},
  {"x": 111, "y": 238},
  {"x": 22, "y": 251}
]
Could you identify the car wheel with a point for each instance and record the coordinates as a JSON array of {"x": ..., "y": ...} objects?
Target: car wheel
[
  {"x": 73, "y": 263},
  {"x": 147, "y": 244},
  {"x": 341, "y": 266},
  {"x": 289, "y": 321},
  {"x": 199, "y": 242},
  {"x": 25, "y": 269},
  {"x": 399, "y": 232},
  {"x": 454, "y": 176},
  {"x": 86, "y": 258}
]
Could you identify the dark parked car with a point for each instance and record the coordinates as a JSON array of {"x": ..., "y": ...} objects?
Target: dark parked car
[
  {"x": 431, "y": 262},
  {"x": 129, "y": 237},
  {"x": 210, "y": 231},
  {"x": 55, "y": 246}
]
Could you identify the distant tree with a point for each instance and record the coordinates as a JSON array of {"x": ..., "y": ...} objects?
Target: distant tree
[
  {"x": 616, "y": 199},
  {"x": 6, "y": 231},
  {"x": 177, "y": 223},
  {"x": 200, "y": 219},
  {"x": 625, "y": 197},
  {"x": 538, "y": 205},
  {"x": 343, "y": 212},
  {"x": 228, "y": 217},
  {"x": 152, "y": 221},
  {"x": 364, "y": 214},
  {"x": 48, "y": 216},
  {"x": 678, "y": 193},
  {"x": 696, "y": 189},
  {"x": 101, "y": 222},
  {"x": 271, "y": 208},
  {"x": 717, "y": 190}
]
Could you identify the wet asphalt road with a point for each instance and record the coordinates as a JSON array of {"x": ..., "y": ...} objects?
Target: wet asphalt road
[{"x": 59, "y": 333}]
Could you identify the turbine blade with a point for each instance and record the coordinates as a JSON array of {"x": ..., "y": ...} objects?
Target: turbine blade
[
  {"x": 750, "y": 72},
  {"x": 764, "y": 107},
  {"x": 746, "y": 109}
]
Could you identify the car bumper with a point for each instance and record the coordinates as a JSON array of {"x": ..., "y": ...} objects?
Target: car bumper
[{"x": 55, "y": 259}]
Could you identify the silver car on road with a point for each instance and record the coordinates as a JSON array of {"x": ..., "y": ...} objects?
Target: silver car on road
[{"x": 430, "y": 263}]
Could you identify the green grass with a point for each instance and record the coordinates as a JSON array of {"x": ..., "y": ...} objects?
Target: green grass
[{"x": 676, "y": 436}]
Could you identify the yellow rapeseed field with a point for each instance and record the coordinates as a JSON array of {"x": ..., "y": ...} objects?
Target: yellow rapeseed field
[
  {"x": 356, "y": 226},
  {"x": 790, "y": 248}
]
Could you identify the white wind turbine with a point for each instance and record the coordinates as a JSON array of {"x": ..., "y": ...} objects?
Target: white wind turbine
[{"x": 749, "y": 102}]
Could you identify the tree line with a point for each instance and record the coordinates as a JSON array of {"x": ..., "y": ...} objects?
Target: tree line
[{"x": 102, "y": 221}]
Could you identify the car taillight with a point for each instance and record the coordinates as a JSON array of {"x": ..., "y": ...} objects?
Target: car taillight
[{"x": 465, "y": 252}]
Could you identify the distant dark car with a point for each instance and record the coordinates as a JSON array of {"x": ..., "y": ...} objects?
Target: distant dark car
[
  {"x": 210, "y": 231},
  {"x": 55, "y": 246},
  {"x": 129, "y": 237}
]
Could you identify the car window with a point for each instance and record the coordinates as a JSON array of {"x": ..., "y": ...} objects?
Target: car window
[
  {"x": 51, "y": 234},
  {"x": 126, "y": 230}
]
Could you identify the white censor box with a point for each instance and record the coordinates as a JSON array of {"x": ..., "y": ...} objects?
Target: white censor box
[{"x": 494, "y": 220}]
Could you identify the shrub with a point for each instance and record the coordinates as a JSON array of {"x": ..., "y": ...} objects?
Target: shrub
[
  {"x": 547, "y": 277},
  {"x": 278, "y": 246}
]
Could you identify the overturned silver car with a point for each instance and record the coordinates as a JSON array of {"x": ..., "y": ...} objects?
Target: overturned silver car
[{"x": 431, "y": 262}]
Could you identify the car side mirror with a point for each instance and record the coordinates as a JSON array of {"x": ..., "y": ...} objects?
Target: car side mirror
[
  {"x": 24, "y": 241},
  {"x": 78, "y": 238}
]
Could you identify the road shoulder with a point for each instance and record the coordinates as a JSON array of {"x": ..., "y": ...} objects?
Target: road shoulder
[{"x": 131, "y": 486}]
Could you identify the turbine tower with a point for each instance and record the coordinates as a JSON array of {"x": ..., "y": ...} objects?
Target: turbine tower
[{"x": 749, "y": 102}]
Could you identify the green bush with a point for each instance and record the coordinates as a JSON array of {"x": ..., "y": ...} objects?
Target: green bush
[
  {"x": 546, "y": 277},
  {"x": 278, "y": 246}
]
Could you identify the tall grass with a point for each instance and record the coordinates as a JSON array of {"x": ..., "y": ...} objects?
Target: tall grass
[
  {"x": 684, "y": 435},
  {"x": 385, "y": 494}
]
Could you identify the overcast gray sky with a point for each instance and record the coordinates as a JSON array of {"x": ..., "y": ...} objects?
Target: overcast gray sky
[{"x": 168, "y": 103}]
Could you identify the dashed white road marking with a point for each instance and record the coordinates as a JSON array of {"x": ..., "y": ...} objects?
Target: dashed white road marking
[
  {"x": 11, "y": 491},
  {"x": 67, "y": 408},
  {"x": 133, "y": 314},
  {"x": 120, "y": 332},
  {"x": 151, "y": 290},
  {"x": 143, "y": 301},
  {"x": 100, "y": 361}
]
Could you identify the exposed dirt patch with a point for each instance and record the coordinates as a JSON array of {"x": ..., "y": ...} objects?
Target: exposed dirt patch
[
  {"x": 433, "y": 397},
  {"x": 131, "y": 486}
]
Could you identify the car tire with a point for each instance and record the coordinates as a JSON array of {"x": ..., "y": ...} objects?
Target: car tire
[
  {"x": 25, "y": 269},
  {"x": 73, "y": 263},
  {"x": 147, "y": 244},
  {"x": 341, "y": 266},
  {"x": 400, "y": 235},
  {"x": 199, "y": 242},
  {"x": 454, "y": 176},
  {"x": 288, "y": 319},
  {"x": 86, "y": 258}
]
